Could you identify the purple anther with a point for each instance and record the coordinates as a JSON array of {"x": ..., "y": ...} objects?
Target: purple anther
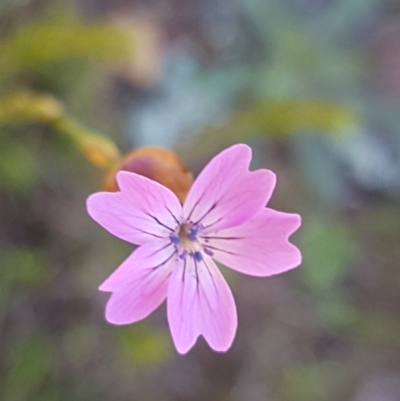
[
  {"x": 193, "y": 233},
  {"x": 208, "y": 251},
  {"x": 175, "y": 240},
  {"x": 183, "y": 255}
]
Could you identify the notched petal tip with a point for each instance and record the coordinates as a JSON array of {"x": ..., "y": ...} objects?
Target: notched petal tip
[
  {"x": 200, "y": 303},
  {"x": 296, "y": 256},
  {"x": 140, "y": 283},
  {"x": 122, "y": 173},
  {"x": 299, "y": 257},
  {"x": 238, "y": 152},
  {"x": 295, "y": 223},
  {"x": 239, "y": 147},
  {"x": 103, "y": 287},
  {"x": 271, "y": 178},
  {"x": 261, "y": 246},
  {"x": 226, "y": 193},
  {"x": 116, "y": 319},
  {"x": 95, "y": 204},
  {"x": 138, "y": 185},
  {"x": 91, "y": 201},
  {"x": 122, "y": 176},
  {"x": 185, "y": 348}
]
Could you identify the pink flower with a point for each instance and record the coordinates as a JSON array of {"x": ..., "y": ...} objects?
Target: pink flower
[{"x": 223, "y": 218}]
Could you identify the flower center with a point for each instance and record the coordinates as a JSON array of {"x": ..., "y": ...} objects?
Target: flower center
[
  {"x": 187, "y": 234},
  {"x": 186, "y": 241}
]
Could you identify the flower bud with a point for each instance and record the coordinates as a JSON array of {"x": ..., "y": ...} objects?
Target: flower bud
[{"x": 158, "y": 164}]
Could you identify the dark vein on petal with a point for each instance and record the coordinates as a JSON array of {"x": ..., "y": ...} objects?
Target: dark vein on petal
[
  {"x": 195, "y": 205},
  {"x": 223, "y": 238},
  {"x": 146, "y": 232},
  {"x": 161, "y": 249},
  {"x": 215, "y": 222},
  {"x": 163, "y": 263},
  {"x": 197, "y": 274},
  {"x": 182, "y": 288},
  {"x": 209, "y": 272},
  {"x": 173, "y": 216},
  {"x": 215, "y": 285},
  {"x": 159, "y": 222},
  {"x": 138, "y": 217},
  {"x": 184, "y": 271},
  {"x": 222, "y": 250},
  {"x": 206, "y": 213},
  {"x": 193, "y": 299}
]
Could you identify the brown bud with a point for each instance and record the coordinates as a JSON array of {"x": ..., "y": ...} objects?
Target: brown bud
[{"x": 158, "y": 164}]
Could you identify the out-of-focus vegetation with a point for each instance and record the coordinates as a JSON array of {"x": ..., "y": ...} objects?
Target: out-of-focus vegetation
[{"x": 313, "y": 86}]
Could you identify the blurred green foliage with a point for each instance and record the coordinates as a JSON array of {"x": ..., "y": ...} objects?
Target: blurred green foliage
[
  {"x": 18, "y": 168},
  {"x": 275, "y": 120},
  {"x": 59, "y": 38},
  {"x": 23, "y": 267},
  {"x": 378, "y": 330},
  {"x": 328, "y": 251},
  {"x": 30, "y": 363},
  {"x": 303, "y": 87},
  {"x": 314, "y": 382},
  {"x": 144, "y": 346},
  {"x": 79, "y": 343},
  {"x": 30, "y": 107}
]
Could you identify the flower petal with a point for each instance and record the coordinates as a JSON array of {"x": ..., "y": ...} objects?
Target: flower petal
[
  {"x": 142, "y": 211},
  {"x": 259, "y": 247},
  {"x": 140, "y": 284},
  {"x": 226, "y": 193},
  {"x": 200, "y": 303}
]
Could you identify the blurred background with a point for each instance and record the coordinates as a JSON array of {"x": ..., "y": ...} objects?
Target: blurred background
[{"x": 313, "y": 86}]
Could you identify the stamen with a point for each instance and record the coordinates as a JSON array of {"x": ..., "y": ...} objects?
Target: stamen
[
  {"x": 186, "y": 241},
  {"x": 207, "y": 251},
  {"x": 192, "y": 235},
  {"x": 183, "y": 255},
  {"x": 175, "y": 240}
]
